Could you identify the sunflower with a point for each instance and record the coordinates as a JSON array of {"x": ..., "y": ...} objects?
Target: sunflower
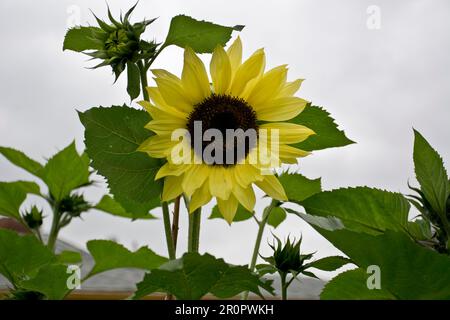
[{"x": 241, "y": 96}]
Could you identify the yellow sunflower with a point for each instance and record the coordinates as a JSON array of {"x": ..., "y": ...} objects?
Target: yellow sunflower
[{"x": 241, "y": 96}]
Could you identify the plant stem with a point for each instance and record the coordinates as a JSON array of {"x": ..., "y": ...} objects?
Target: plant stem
[
  {"x": 176, "y": 218},
  {"x": 54, "y": 229},
  {"x": 194, "y": 230},
  {"x": 168, "y": 231},
  {"x": 262, "y": 226},
  {"x": 144, "y": 82},
  {"x": 284, "y": 286}
]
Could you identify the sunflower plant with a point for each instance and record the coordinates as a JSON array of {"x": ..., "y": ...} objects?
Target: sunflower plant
[
  {"x": 217, "y": 132},
  {"x": 213, "y": 133}
]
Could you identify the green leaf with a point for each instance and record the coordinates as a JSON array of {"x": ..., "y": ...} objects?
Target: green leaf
[
  {"x": 361, "y": 209},
  {"x": 194, "y": 275},
  {"x": 22, "y": 256},
  {"x": 112, "y": 136},
  {"x": 28, "y": 187},
  {"x": 420, "y": 229},
  {"x": 298, "y": 187},
  {"x": 81, "y": 38},
  {"x": 276, "y": 217},
  {"x": 69, "y": 257},
  {"x": 352, "y": 285},
  {"x": 134, "y": 84},
  {"x": 51, "y": 280},
  {"x": 431, "y": 174},
  {"x": 242, "y": 214},
  {"x": 66, "y": 171},
  {"x": 330, "y": 263},
  {"x": 327, "y": 133},
  {"x": 21, "y": 160},
  {"x": 109, "y": 255},
  {"x": 327, "y": 223},
  {"x": 13, "y": 194},
  {"x": 201, "y": 36},
  {"x": 109, "y": 205},
  {"x": 408, "y": 270}
]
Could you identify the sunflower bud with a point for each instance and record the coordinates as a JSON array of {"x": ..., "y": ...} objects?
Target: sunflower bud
[
  {"x": 33, "y": 218},
  {"x": 287, "y": 258},
  {"x": 121, "y": 42},
  {"x": 73, "y": 205}
]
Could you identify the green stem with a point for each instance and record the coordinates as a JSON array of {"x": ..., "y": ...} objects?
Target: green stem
[
  {"x": 144, "y": 82},
  {"x": 194, "y": 230},
  {"x": 168, "y": 230},
  {"x": 54, "y": 229},
  {"x": 284, "y": 286},
  {"x": 262, "y": 226}
]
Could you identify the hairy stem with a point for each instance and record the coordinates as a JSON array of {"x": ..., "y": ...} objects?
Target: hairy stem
[
  {"x": 175, "y": 222},
  {"x": 284, "y": 286},
  {"x": 262, "y": 226},
  {"x": 168, "y": 230},
  {"x": 53, "y": 235},
  {"x": 194, "y": 230}
]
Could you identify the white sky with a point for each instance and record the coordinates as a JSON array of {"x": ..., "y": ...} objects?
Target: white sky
[{"x": 378, "y": 84}]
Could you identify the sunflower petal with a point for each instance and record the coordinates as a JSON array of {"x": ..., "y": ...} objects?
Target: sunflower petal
[
  {"x": 220, "y": 183},
  {"x": 194, "y": 77},
  {"x": 173, "y": 94},
  {"x": 172, "y": 188},
  {"x": 288, "y": 133},
  {"x": 200, "y": 197},
  {"x": 157, "y": 146},
  {"x": 169, "y": 169},
  {"x": 220, "y": 70},
  {"x": 228, "y": 208},
  {"x": 291, "y": 88},
  {"x": 281, "y": 109},
  {"x": 194, "y": 178},
  {"x": 268, "y": 86},
  {"x": 272, "y": 187},
  {"x": 234, "y": 52},
  {"x": 253, "y": 67},
  {"x": 245, "y": 196}
]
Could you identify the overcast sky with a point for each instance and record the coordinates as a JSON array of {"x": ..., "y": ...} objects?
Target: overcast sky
[{"x": 377, "y": 83}]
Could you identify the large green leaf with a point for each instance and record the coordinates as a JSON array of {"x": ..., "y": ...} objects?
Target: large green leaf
[
  {"x": 112, "y": 136},
  {"x": 201, "y": 36},
  {"x": 431, "y": 174},
  {"x": 329, "y": 263},
  {"x": 109, "y": 205},
  {"x": 361, "y": 208},
  {"x": 66, "y": 171},
  {"x": 242, "y": 214},
  {"x": 22, "y": 256},
  {"x": 352, "y": 285},
  {"x": 80, "y": 39},
  {"x": 298, "y": 187},
  {"x": 408, "y": 270},
  {"x": 51, "y": 280},
  {"x": 109, "y": 255},
  {"x": 276, "y": 217},
  {"x": 13, "y": 194},
  {"x": 327, "y": 133},
  {"x": 194, "y": 275},
  {"x": 21, "y": 160}
]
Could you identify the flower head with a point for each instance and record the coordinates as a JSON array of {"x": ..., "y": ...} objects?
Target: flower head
[
  {"x": 287, "y": 258},
  {"x": 220, "y": 139},
  {"x": 121, "y": 42},
  {"x": 33, "y": 218}
]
